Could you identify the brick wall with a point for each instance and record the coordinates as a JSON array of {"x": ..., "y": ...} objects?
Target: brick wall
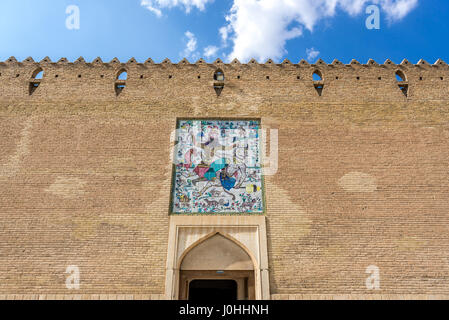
[{"x": 363, "y": 173}]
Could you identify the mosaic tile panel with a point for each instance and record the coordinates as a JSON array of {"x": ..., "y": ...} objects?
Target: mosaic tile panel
[{"x": 217, "y": 167}]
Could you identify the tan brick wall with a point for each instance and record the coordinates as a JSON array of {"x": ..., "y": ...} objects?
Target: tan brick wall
[{"x": 85, "y": 175}]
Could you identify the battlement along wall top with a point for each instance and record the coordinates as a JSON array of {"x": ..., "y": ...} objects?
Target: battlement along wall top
[{"x": 286, "y": 81}]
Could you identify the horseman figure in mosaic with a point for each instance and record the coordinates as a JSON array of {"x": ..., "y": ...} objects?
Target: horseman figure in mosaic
[{"x": 214, "y": 167}]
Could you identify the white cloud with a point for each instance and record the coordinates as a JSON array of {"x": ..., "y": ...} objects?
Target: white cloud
[
  {"x": 191, "y": 45},
  {"x": 224, "y": 33},
  {"x": 210, "y": 51},
  {"x": 399, "y": 9},
  {"x": 312, "y": 54},
  {"x": 260, "y": 28},
  {"x": 149, "y": 6},
  {"x": 156, "y": 6}
]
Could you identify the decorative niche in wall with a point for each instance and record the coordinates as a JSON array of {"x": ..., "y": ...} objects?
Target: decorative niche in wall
[{"x": 217, "y": 167}]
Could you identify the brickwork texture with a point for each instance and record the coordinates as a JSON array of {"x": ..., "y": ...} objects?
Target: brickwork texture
[{"x": 362, "y": 180}]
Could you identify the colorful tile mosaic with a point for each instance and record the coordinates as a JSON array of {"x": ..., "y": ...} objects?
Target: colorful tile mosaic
[{"x": 217, "y": 167}]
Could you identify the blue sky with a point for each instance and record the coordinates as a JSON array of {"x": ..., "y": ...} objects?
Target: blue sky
[{"x": 293, "y": 29}]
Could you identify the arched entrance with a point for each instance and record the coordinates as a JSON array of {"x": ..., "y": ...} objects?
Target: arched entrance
[
  {"x": 217, "y": 268},
  {"x": 189, "y": 259}
]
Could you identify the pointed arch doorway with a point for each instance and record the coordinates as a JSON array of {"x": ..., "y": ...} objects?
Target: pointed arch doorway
[
  {"x": 217, "y": 268},
  {"x": 205, "y": 249}
]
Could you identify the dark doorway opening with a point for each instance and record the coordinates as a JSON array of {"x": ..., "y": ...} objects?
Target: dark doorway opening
[{"x": 212, "y": 290}]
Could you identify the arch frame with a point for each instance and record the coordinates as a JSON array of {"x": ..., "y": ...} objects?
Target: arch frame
[
  {"x": 120, "y": 84},
  {"x": 402, "y": 81},
  {"x": 120, "y": 72},
  {"x": 187, "y": 232},
  {"x": 401, "y": 74},
  {"x": 219, "y": 72},
  {"x": 36, "y": 72},
  {"x": 209, "y": 236},
  {"x": 319, "y": 73},
  {"x": 35, "y": 81}
]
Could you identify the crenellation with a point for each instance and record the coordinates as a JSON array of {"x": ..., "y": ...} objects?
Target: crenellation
[
  {"x": 80, "y": 60},
  {"x": 336, "y": 62},
  {"x": 149, "y": 61},
  {"x": 235, "y": 61},
  {"x": 405, "y": 62},
  {"x": 97, "y": 61},
  {"x": 114, "y": 61},
  {"x": 184, "y": 62},
  {"x": 320, "y": 62},
  {"x": 303, "y": 62},
  {"x": 388, "y": 62},
  {"x": 45, "y": 60},
  {"x": 28, "y": 60},
  {"x": 441, "y": 63},
  {"x": 95, "y": 81}
]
